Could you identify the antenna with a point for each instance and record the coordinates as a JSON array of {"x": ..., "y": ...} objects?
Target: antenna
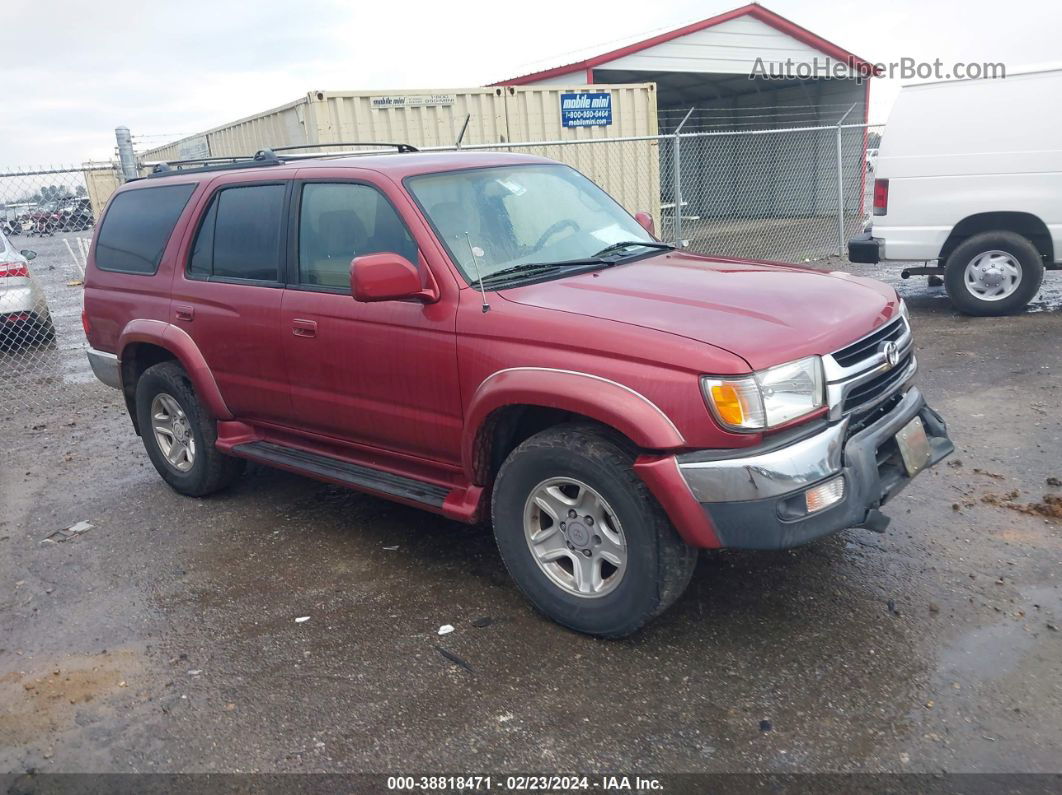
[{"x": 479, "y": 276}]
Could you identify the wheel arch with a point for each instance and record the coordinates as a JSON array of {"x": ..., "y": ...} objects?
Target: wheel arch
[
  {"x": 144, "y": 343},
  {"x": 512, "y": 405},
  {"x": 1025, "y": 224}
]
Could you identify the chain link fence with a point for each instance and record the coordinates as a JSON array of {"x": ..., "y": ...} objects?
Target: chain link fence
[
  {"x": 789, "y": 195},
  {"x": 47, "y": 217}
]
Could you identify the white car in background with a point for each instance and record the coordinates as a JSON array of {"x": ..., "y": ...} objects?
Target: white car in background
[
  {"x": 24, "y": 316},
  {"x": 968, "y": 179}
]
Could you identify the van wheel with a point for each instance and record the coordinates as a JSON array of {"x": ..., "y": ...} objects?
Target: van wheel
[
  {"x": 179, "y": 435},
  {"x": 993, "y": 273},
  {"x": 582, "y": 536}
]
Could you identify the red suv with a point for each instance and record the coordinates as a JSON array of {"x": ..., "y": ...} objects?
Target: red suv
[{"x": 493, "y": 335}]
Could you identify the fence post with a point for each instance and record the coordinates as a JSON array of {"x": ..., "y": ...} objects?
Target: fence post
[
  {"x": 840, "y": 185},
  {"x": 676, "y": 223},
  {"x": 125, "y": 153}
]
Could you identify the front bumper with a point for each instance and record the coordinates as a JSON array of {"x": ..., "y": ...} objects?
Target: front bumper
[
  {"x": 864, "y": 248},
  {"x": 749, "y": 500}
]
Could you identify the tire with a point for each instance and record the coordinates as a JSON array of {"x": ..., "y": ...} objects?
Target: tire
[
  {"x": 658, "y": 563},
  {"x": 208, "y": 471},
  {"x": 1012, "y": 252},
  {"x": 43, "y": 331}
]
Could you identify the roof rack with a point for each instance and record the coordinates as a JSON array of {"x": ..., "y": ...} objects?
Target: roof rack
[
  {"x": 264, "y": 157},
  {"x": 402, "y": 148}
]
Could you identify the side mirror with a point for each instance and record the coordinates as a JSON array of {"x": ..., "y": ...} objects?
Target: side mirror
[
  {"x": 28, "y": 254},
  {"x": 645, "y": 221},
  {"x": 386, "y": 276}
]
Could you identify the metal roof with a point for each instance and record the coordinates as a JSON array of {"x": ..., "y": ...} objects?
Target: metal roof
[{"x": 754, "y": 10}]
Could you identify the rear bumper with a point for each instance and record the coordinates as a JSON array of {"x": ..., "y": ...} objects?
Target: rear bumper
[
  {"x": 864, "y": 248},
  {"x": 105, "y": 367},
  {"x": 754, "y": 501}
]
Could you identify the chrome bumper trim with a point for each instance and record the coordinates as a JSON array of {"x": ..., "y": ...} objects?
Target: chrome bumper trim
[
  {"x": 770, "y": 474},
  {"x": 105, "y": 367}
]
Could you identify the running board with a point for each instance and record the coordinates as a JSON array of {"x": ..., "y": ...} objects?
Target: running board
[{"x": 338, "y": 471}]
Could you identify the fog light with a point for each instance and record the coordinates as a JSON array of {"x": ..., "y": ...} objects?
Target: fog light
[{"x": 824, "y": 495}]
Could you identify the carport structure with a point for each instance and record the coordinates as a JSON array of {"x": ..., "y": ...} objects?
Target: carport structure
[
  {"x": 709, "y": 66},
  {"x": 762, "y": 97}
]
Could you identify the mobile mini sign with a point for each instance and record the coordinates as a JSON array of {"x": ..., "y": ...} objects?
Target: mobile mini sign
[
  {"x": 586, "y": 109},
  {"x": 413, "y": 101}
]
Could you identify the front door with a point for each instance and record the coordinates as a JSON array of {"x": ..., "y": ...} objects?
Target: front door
[{"x": 375, "y": 374}]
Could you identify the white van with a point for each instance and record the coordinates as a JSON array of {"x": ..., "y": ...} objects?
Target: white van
[{"x": 969, "y": 179}]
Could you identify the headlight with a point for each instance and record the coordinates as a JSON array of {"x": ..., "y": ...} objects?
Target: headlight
[
  {"x": 903, "y": 311},
  {"x": 768, "y": 398}
]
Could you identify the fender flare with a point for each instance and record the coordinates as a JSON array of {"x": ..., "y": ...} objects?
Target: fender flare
[
  {"x": 184, "y": 349},
  {"x": 600, "y": 399}
]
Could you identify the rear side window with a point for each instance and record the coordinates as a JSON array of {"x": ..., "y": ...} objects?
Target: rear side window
[
  {"x": 240, "y": 236},
  {"x": 137, "y": 226}
]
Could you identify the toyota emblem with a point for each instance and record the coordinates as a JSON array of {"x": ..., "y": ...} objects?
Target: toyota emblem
[{"x": 892, "y": 353}]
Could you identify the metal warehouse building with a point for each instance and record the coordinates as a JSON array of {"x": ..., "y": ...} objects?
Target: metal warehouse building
[
  {"x": 707, "y": 66},
  {"x": 719, "y": 68}
]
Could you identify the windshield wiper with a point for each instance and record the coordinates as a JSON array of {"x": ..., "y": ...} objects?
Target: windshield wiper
[
  {"x": 615, "y": 247},
  {"x": 600, "y": 258},
  {"x": 532, "y": 268}
]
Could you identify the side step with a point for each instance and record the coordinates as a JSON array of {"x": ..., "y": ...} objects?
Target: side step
[{"x": 353, "y": 475}]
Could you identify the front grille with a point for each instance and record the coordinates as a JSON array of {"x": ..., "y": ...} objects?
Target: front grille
[
  {"x": 865, "y": 347},
  {"x": 864, "y": 418},
  {"x": 876, "y": 387}
]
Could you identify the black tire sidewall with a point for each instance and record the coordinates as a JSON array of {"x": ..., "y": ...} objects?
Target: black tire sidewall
[
  {"x": 1023, "y": 251},
  {"x": 169, "y": 380},
  {"x": 635, "y": 598}
]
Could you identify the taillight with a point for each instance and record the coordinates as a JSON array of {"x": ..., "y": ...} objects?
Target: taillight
[
  {"x": 85, "y": 322},
  {"x": 13, "y": 269},
  {"x": 881, "y": 196}
]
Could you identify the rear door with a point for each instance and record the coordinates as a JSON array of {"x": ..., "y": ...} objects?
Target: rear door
[
  {"x": 227, "y": 295},
  {"x": 377, "y": 374}
]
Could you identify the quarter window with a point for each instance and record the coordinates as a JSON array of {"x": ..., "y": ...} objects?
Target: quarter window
[
  {"x": 340, "y": 221},
  {"x": 137, "y": 227},
  {"x": 240, "y": 236}
]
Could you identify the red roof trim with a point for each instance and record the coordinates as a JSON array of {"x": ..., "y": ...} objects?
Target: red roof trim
[{"x": 753, "y": 10}]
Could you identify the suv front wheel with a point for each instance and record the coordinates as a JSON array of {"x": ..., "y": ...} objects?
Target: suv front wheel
[
  {"x": 179, "y": 435},
  {"x": 993, "y": 273},
  {"x": 582, "y": 536}
]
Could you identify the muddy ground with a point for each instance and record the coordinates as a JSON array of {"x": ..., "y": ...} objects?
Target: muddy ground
[{"x": 165, "y": 638}]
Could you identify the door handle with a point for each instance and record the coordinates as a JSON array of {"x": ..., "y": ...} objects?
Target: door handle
[
  {"x": 304, "y": 328},
  {"x": 184, "y": 312}
]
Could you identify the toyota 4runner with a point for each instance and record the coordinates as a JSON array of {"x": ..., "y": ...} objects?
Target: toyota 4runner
[{"x": 492, "y": 335}]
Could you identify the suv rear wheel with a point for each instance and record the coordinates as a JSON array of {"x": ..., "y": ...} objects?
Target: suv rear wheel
[
  {"x": 582, "y": 536},
  {"x": 993, "y": 273},
  {"x": 179, "y": 435}
]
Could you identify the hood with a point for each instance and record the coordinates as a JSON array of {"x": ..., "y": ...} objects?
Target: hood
[{"x": 766, "y": 313}]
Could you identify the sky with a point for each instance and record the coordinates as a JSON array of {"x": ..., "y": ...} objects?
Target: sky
[{"x": 73, "y": 71}]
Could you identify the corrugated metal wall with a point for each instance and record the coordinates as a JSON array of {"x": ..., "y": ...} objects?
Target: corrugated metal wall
[
  {"x": 496, "y": 115},
  {"x": 433, "y": 118}
]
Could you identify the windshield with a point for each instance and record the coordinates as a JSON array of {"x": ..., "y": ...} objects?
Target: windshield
[{"x": 515, "y": 215}]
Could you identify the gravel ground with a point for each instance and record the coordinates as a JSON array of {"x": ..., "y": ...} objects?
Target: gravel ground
[{"x": 165, "y": 637}]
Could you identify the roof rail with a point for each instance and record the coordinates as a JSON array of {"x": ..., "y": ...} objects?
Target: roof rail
[
  {"x": 403, "y": 148},
  {"x": 263, "y": 157}
]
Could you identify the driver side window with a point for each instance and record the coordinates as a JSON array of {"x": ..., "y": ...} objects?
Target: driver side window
[{"x": 340, "y": 221}]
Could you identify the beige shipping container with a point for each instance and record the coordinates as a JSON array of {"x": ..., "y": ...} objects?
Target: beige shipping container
[
  {"x": 101, "y": 180},
  {"x": 427, "y": 119}
]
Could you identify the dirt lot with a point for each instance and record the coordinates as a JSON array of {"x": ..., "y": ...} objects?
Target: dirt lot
[{"x": 165, "y": 638}]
